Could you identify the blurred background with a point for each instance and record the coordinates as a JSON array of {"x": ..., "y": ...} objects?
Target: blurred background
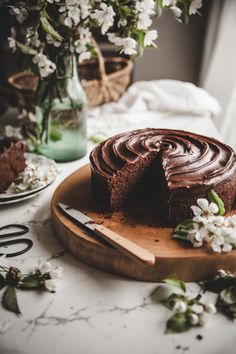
[{"x": 202, "y": 52}]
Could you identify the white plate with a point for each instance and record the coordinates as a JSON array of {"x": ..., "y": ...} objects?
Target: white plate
[
  {"x": 49, "y": 170},
  {"x": 11, "y": 201}
]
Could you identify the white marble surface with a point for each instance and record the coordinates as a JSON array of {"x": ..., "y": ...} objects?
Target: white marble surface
[{"x": 94, "y": 312}]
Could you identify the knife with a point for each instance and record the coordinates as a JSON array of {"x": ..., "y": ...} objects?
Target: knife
[{"x": 130, "y": 249}]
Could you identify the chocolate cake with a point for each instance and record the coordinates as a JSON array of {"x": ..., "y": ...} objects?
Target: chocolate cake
[
  {"x": 12, "y": 161},
  {"x": 174, "y": 167}
]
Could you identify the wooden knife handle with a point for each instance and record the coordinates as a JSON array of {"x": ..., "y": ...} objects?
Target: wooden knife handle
[{"x": 137, "y": 253}]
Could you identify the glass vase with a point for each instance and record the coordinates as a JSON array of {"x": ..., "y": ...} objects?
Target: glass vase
[{"x": 61, "y": 112}]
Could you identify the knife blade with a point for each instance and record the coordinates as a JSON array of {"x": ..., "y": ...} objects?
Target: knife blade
[{"x": 129, "y": 248}]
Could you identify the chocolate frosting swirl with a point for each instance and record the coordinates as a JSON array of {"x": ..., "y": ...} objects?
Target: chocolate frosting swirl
[{"x": 188, "y": 159}]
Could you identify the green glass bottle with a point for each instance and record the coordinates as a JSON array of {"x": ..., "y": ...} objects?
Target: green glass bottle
[{"x": 61, "y": 112}]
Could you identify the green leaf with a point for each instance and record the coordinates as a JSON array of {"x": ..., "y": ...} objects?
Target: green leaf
[
  {"x": 159, "y": 5},
  {"x": 183, "y": 228},
  {"x": 2, "y": 282},
  {"x": 30, "y": 282},
  {"x": 176, "y": 282},
  {"x": 140, "y": 39},
  {"x": 180, "y": 237},
  {"x": 226, "y": 302},
  {"x": 9, "y": 300},
  {"x": 217, "y": 285},
  {"x": 25, "y": 49},
  {"x": 48, "y": 28},
  {"x": 213, "y": 196},
  {"x": 177, "y": 323}
]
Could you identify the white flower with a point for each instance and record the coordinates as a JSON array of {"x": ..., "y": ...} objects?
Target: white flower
[
  {"x": 11, "y": 132},
  {"x": 85, "y": 8},
  {"x": 219, "y": 220},
  {"x": 180, "y": 306},
  {"x": 227, "y": 247},
  {"x": 84, "y": 56},
  {"x": 45, "y": 268},
  {"x": 216, "y": 243},
  {"x": 194, "y": 6},
  {"x": 83, "y": 41},
  {"x": 232, "y": 220},
  {"x": 197, "y": 308},
  {"x": 203, "y": 220},
  {"x": 144, "y": 10},
  {"x": 129, "y": 45},
  {"x": 52, "y": 41},
  {"x": 56, "y": 273},
  {"x": 195, "y": 237},
  {"x": 210, "y": 308},
  {"x": 104, "y": 17},
  {"x": 204, "y": 208},
  {"x": 113, "y": 38},
  {"x": 149, "y": 37},
  {"x": 12, "y": 43},
  {"x": 231, "y": 238},
  {"x": 221, "y": 273},
  {"x": 176, "y": 11},
  {"x": 73, "y": 17},
  {"x": 122, "y": 23},
  {"x": 51, "y": 285},
  {"x": 21, "y": 13},
  {"x": 46, "y": 66},
  {"x": 144, "y": 21},
  {"x": 168, "y": 2},
  {"x": 193, "y": 319}
]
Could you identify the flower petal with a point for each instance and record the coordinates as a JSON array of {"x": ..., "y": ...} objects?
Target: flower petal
[
  {"x": 203, "y": 203},
  {"x": 196, "y": 210},
  {"x": 215, "y": 247},
  {"x": 45, "y": 268},
  {"x": 56, "y": 273},
  {"x": 227, "y": 247},
  {"x": 51, "y": 285},
  {"x": 213, "y": 208}
]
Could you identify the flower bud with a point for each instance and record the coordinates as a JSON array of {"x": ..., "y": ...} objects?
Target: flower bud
[
  {"x": 210, "y": 308},
  {"x": 45, "y": 268},
  {"x": 180, "y": 306},
  {"x": 202, "y": 319},
  {"x": 193, "y": 319}
]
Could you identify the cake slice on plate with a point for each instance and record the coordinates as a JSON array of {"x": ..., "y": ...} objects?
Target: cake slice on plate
[{"x": 12, "y": 161}]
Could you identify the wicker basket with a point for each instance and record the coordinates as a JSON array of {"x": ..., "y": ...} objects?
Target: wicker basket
[{"x": 103, "y": 79}]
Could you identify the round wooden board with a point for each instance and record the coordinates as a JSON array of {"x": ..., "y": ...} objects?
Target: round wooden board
[{"x": 173, "y": 258}]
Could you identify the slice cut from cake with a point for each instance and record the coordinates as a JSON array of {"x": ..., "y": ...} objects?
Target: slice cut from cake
[
  {"x": 12, "y": 161},
  {"x": 174, "y": 167}
]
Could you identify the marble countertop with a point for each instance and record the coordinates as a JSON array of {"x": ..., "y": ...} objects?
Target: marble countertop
[{"x": 94, "y": 312}]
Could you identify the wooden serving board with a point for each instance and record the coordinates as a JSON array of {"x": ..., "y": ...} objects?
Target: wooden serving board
[{"x": 173, "y": 258}]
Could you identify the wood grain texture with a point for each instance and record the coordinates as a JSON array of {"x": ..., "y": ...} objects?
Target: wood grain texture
[{"x": 173, "y": 258}]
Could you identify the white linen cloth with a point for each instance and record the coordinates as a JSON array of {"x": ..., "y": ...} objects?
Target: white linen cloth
[
  {"x": 163, "y": 96},
  {"x": 161, "y": 104}
]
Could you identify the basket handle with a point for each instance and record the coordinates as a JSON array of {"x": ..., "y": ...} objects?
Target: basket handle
[{"x": 101, "y": 61}]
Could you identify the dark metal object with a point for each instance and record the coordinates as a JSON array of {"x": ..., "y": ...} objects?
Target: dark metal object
[{"x": 22, "y": 231}]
